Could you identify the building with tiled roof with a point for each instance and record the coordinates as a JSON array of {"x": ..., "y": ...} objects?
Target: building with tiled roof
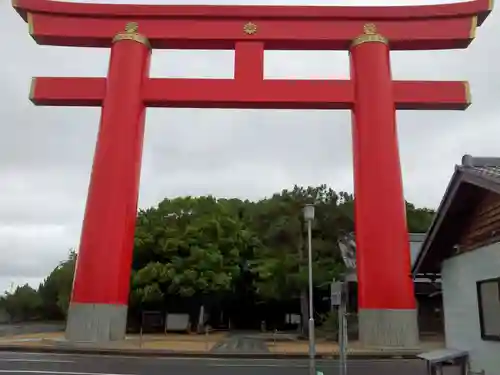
[{"x": 462, "y": 248}]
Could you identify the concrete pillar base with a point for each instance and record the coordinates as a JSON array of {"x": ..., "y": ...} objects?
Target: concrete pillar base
[
  {"x": 96, "y": 322},
  {"x": 388, "y": 328}
]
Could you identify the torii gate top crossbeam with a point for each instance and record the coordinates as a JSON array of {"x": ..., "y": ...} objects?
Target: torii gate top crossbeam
[{"x": 445, "y": 26}]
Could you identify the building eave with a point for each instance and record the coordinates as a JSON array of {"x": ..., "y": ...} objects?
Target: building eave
[
  {"x": 438, "y": 218},
  {"x": 474, "y": 172}
]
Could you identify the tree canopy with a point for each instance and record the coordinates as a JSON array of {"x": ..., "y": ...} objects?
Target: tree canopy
[{"x": 192, "y": 248}]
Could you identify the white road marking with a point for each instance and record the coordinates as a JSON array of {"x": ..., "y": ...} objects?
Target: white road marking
[
  {"x": 254, "y": 365},
  {"x": 56, "y": 372},
  {"x": 35, "y": 360},
  {"x": 329, "y": 361},
  {"x": 287, "y": 364}
]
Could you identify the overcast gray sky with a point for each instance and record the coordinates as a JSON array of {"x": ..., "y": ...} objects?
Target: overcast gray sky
[{"x": 46, "y": 153}]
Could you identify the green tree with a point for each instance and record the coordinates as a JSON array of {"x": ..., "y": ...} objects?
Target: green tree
[
  {"x": 281, "y": 264},
  {"x": 188, "y": 247},
  {"x": 23, "y": 304},
  {"x": 55, "y": 290},
  {"x": 418, "y": 219}
]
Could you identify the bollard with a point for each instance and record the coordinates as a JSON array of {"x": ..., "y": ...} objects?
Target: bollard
[
  {"x": 140, "y": 338},
  {"x": 206, "y": 338}
]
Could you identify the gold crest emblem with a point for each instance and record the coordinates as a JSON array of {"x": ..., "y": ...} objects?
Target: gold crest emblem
[{"x": 250, "y": 28}]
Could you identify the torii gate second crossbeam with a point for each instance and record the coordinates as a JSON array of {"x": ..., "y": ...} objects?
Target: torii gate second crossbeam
[{"x": 387, "y": 311}]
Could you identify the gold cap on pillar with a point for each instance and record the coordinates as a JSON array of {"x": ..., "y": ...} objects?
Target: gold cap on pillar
[
  {"x": 131, "y": 33},
  {"x": 370, "y": 34}
]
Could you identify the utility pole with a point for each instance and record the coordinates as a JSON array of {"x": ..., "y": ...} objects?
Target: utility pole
[
  {"x": 342, "y": 318},
  {"x": 309, "y": 218}
]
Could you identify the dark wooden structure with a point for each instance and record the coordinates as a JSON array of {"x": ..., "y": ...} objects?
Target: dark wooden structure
[{"x": 468, "y": 216}]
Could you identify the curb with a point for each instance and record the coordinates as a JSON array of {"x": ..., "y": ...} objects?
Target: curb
[{"x": 172, "y": 354}]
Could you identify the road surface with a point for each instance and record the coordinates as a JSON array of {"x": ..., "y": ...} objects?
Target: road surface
[
  {"x": 238, "y": 342},
  {"x": 60, "y": 364}
]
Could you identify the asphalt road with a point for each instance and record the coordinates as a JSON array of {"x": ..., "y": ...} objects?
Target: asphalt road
[{"x": 59, "y": 364}]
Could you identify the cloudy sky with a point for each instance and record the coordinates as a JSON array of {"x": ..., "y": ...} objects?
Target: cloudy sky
[{"x": 46, "y": 153}]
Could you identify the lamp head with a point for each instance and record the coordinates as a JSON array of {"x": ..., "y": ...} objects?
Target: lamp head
[{"x": 309, "y": 212}]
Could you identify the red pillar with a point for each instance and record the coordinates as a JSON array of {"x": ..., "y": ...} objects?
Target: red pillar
[
  {"x": 99, "y": 298},
  {"x": 385, "y": 289}
]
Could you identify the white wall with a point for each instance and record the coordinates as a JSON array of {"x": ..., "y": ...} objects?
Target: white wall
[
  {"x": 459, "y": 276},
  {"x": 414, "y": 250}
]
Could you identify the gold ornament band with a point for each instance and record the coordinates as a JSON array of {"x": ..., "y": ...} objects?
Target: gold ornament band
[
  {"x": 369, "y": 35},
  {"x": 131, "y": 34},
  {"x": 31, "y": 27},
  {"x": 468, "y": 96}
]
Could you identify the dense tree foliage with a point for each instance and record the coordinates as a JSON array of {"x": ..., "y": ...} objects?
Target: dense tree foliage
[
  {"x": 203, "y": 248},
  {"x": 55, "y": 291},
  {"x": 50, "y": 301}
]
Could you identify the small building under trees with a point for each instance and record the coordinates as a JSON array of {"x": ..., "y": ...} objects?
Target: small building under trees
[{"x": 427, "y": 288}]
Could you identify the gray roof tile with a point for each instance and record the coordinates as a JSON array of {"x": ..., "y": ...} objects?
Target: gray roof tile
[{"x": 490, "y": 171}]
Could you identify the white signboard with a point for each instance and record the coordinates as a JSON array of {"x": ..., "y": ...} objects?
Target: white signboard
[
  {"x": 336, "y": 293},
  {"x": 177, "y": 322}
]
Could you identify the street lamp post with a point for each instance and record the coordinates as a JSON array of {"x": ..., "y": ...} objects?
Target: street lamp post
[{"x": 309, "y": 217}]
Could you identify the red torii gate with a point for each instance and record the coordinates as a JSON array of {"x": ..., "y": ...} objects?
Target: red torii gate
[{"x": 387, "y": 315}]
